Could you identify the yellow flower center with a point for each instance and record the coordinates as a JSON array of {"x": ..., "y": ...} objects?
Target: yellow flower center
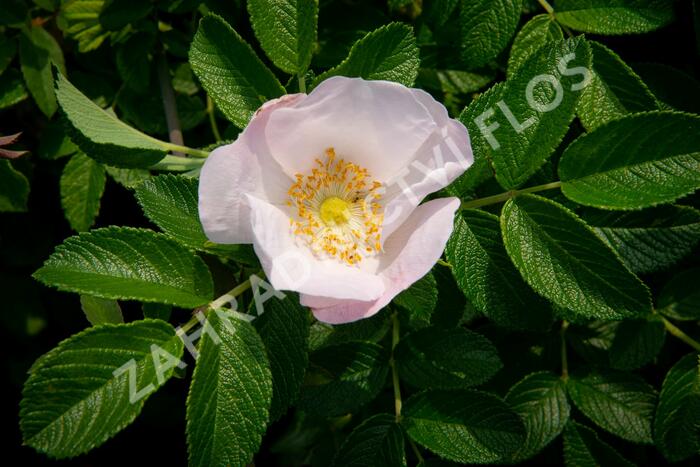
[{"x": 336, "y": 210}]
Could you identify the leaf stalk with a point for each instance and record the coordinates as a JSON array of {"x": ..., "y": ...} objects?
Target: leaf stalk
[
  {"x": 677, "y": 332},
  {"x": 394, "y": 371},
  {"x": 501, "y": 197}
]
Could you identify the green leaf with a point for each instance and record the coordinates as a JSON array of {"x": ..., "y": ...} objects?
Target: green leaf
[
  {"x": 37, "y": 51},
  {"x": 652, "y": 239},
  {"x": 54, "y": 143},
  {"x": 82, "y": 392},
  {"x": 82, "y": 184},
  {"x": 636, "y": 161},
  {"x": 14, "y": 188},
  {"x": 419, "y": 299},
  {"x": 486, "y": 28},
  {"x": 101, "y": 311},
  {"x": 389, "y": 53},
  {"x": 343, "y": 377},
  {"x": 101, "y": 135},
  {"x": 12, "y": 90},
  {"x": 230, "y": 394},
  {"x": 676, "y": 429},
  {"x": 446, "y": 358},
  {"x": 184, "y": 80},
  {"x": 680, "y": 297},
  {"x": 128, "y": 178},
  {"x": 563, "y": 260},
  {"x": 523, "y": 121},
  {"x": 156, "y": 311},
  {"x": 170, "y": 201},
  {"x": 231, "y": 73},
  {"x": 481, "y": 170},
  {"x": 452, "y": 304},
  {"x": 592, "y": 340},
  {"x": 80, "y": 20},
  {"x": 487, "y": 277},
  {"x": 8, "y": 49},
  {"x": 583, "y": 448},
  {"x": 535, "y": 34},
  {"x": 371, "y": 329},
  {"x": 637, "y": 342},
  {"x": 145, "y": 111},
  {"x": 286, "y": 30},
  {"x": 15, "y": 12},
  {"x": 540, "y": 401},
  {"x": 463, "y": 426},
  {"x": 131, "y": 264},
  {"x": 615, "y": 90},
  {"x": 621, "y": 403},
  {"x": 439, "y": 11},
  {"x": 378, "y": 441},
  {"x": 614, "y": 16},
  {"x": 284, "y": 329},
  {"x": 672, "y": 87},
  {"x": 452, "y": 81},
  {"x": 133, "y": 62},
  {"x": 117, "y": 15}
]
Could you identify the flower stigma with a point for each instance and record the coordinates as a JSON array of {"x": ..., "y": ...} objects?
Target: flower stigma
[{"x": 336, "y": 210}]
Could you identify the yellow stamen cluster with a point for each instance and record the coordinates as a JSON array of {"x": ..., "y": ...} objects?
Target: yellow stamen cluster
[{"x": 337, "y": 210}]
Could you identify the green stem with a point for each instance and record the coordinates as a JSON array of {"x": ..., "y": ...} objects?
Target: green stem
[
  {"x": 442, "y": 262},
  {"x": 395, "y": 335},
  {"x": 184, "y": 149},
  {"x": 185, "y": 328},
  {"x": 233, "y": 293},
  {"x": 564, "y": 357},
  {"x": 212, "y": 119},
  {"x": 302, "y": 83},
  {"x": 670, "y": 327},
  {"x": 177, "y": 164},
  {"x": 416, "y": 451},
  {"x": 218, "y": 303},
  {"x": 392, "y": 363},
  {"x": 499, "y": 198},
  {"x": 547, "y": 7}
]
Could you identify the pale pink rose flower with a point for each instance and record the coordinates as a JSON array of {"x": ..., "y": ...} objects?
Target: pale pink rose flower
[{"x": 327, "y": 187}]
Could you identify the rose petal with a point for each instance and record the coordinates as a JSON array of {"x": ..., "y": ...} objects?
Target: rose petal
[
  {"x": 377, "y": 124},
  {"x": 231, "y": 171},
  {"x": 290, "y": 266},
  {"x": 410, "y": 253},
  {"x": 444, "y": 157}
]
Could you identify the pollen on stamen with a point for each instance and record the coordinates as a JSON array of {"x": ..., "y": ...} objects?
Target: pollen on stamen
[{"x": 336, "y": 209}]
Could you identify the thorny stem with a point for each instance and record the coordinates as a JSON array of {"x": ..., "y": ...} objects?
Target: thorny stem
[
  {"x": 169, "y": 106},
  {"x": 499, "y": 198},
  {"x": 670, "y": 327},
  {"x": 212, "y": 119},
  {"x": 564, "y": 358}
]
